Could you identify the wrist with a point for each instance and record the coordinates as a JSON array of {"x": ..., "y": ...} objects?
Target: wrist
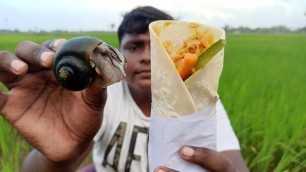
[
  {"x": 36, "y": 161},
  {"x": 58, "y": 165}
]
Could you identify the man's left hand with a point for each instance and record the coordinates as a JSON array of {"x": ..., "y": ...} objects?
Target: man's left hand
[{"x": 206, "y": 158}]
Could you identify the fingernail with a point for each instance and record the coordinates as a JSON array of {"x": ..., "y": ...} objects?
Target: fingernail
[
  {"x": 18, "y": 65},
  {"x": 58, "y": 43},
  {"x": 46, "y": 58},
  {"x": 188, "y": 151},
  {"x": 161, "y": 170}
]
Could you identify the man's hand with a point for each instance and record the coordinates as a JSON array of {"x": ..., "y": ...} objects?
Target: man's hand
[
  {"x": 206, "y": 158},
  {"x": 58, "y": 122}
]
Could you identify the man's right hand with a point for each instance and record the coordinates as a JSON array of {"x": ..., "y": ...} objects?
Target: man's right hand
[{"x": 59, "y": 123}]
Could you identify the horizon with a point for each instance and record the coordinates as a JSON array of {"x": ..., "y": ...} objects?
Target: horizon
[{"x": 230, "y": 29}]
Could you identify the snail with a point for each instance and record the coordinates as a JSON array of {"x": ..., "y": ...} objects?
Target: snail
[{"x": 80, "y": 58}]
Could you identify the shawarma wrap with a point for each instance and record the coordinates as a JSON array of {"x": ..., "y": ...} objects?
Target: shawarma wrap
[{"x": 186, "y": 64}]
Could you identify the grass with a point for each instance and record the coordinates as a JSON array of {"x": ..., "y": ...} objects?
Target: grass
[
  {"x": 9, "y": 41},
  {"x": 263, "y": 87}
]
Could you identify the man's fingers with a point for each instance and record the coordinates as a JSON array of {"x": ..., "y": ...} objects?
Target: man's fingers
[
  {"x": 11, "y": 64},
  {"x": 54, "y": 44},
  {"x": 164, "y": 169},
  {"x": 36, "y": 56},
  {"x": 10, "y": 68},
  {"x": 206, "y": 158}
]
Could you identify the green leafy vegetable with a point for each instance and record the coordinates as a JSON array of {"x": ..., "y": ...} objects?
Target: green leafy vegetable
[{"x": 207, "y": 55}]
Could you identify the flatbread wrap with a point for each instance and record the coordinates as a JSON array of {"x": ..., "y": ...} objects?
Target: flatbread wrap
[
  {"x": 186, "y": 64},
  {"x": 176, "y": 92}
]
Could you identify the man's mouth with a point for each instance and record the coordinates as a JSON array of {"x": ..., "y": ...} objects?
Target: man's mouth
[{"x": 144, "y": 73}]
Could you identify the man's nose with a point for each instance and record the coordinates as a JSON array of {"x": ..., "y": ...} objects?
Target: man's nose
[{"x": 146, "y": 55}]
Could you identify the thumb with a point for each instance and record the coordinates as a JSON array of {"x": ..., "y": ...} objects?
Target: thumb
[
  {"x": 206, "y": 158},
  {"x": 95, "y": 94}
]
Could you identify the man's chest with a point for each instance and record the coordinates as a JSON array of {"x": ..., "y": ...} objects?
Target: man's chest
[{"x": 123, "y": 146}]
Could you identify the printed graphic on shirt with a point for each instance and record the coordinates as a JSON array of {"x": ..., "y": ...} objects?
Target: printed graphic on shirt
[{"x": 117, "y": 142}]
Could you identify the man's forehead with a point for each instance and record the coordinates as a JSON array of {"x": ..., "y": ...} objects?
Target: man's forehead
[{"x": 128, "y": 37}]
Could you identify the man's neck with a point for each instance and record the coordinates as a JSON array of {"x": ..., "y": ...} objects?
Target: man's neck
[{"x": 142, "y": 99}]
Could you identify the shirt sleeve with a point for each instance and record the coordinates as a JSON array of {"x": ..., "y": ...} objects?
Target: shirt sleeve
[{"x": 226, "y": 137}]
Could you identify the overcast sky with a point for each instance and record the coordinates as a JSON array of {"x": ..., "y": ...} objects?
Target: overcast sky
[{"x": 87, "y": 15}]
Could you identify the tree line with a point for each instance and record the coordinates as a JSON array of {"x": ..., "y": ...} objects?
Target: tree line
[{"x": 270, "y": 30}]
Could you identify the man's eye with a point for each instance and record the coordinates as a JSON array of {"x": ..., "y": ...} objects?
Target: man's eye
[{"x": 132, "y": 48}]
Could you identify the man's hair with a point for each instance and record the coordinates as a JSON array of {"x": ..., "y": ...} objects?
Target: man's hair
[{"x": 138, "y": 20}]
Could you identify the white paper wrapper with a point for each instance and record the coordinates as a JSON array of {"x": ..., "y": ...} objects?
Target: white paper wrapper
[{"x": 168, "y": 135}]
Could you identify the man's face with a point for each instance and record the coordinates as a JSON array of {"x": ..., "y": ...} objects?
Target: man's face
[{"x": 136, "y": 49}]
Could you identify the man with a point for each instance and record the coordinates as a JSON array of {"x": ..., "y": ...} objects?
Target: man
[{"x": 61, "y": 124}]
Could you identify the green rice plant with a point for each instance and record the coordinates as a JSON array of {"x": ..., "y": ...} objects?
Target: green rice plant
[{"x": 263, "y": 88}]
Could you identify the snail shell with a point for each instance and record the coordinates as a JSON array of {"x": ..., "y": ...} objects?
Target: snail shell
[
  {"x": 73, "y": 73},
  {"x": 75, "y": 60}
]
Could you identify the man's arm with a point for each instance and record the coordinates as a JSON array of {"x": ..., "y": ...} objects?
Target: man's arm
[
  {"x": 229, "y": 161},
  {"x": 59, "y": 123},
  {"x": 36, "y": 161}
]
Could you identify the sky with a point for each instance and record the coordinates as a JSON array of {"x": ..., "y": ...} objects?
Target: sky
[{"x": 98, "y": 15}]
